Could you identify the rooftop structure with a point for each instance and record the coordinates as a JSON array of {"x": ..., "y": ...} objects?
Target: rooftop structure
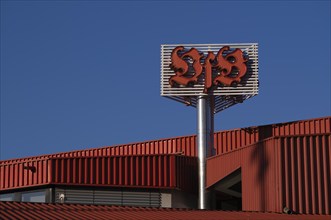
[{"x": 261, "y": 168}]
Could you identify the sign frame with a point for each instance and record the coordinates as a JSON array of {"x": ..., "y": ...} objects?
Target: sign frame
[{"x": 224, "y": 96}]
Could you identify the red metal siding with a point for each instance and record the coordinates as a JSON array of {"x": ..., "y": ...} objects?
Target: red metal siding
[
  {"x": 21, "y": 174},
  {"x": 305, "y": 127},
  {"x": 152, "y": 171},
  {"x": 306, "y": 180},
  {"x": 155, "y": 171},
  {"x": 291, "y": 171},
  {"x": 258, "y": 177},
  {"x": 258, "y": 180},
  {"x": 224, "y": 141},
  {"x": 180, "y": 145},
  {"x": 284, "y": 164}
]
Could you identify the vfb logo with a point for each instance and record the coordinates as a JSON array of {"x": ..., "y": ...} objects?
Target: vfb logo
[{"x": 225, "y": 69}]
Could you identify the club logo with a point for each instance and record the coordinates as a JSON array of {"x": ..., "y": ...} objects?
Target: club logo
[{"x": 192, "y": 67}]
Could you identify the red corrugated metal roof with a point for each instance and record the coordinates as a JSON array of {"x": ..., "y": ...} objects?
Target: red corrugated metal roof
[{"x": 20, "y": 210}]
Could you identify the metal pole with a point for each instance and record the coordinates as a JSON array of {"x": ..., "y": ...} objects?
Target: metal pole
[{"x": 205, "y": 113}]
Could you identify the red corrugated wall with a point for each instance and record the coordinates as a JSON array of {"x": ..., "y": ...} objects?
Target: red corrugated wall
[
  {"x": 156, "y": 171},
  {"x": 224, "y": 141},
  {"x": 304, "y": 127},
  {"x": 262, "y": 152},
  {"x": 32, "y": 172},
  {"x": 304, "y": 173},
  {"x": 256, "y": 163},
  {"x": 291, "y": 171},
  {"x": 151, "y": 171}
]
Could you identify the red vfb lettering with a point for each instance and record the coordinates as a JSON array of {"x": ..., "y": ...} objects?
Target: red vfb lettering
[
  {"x": 226, "y": 69},
  {"x": 181, "y": 67}
]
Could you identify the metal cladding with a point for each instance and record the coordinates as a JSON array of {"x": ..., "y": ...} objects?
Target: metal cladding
[
  {"x": 227, "y": 141},
  {"x": 284, "y": 164},
  {"x": 150, "y": 171},
  {"x": 24, "y": 174},
  {"x": 227, "y": 71},
  {"x": 180, "y": 145},
  {"x": 21, "y": 210},
  {"x": 224, "y": 141},
  {"x": 305, "y": 163},
  {"x": 285, "y": 171}
]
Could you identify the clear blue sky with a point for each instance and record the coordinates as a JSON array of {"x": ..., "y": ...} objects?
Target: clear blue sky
[{"x": 83, "y": 74}]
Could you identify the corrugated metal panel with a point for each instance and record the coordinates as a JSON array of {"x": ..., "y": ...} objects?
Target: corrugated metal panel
[
  {"x": 224, "y": 141},
  {"x": 304, "y": 127},
  {"x": 289, "y": 171},
  {"x": 16, "y": 210},
  {"x": 28, "y": 173},
  {"x": 306, "y": 180},
  {"x": 140, "y": 171},
  {"x": 25, "y": 159},
  {"x": 255, "y": 162},
  {"x": 180, "y": 145},
  {"x": 87, "y": 168},
  {"x": 258, "y": 177},
  {"x": 152, "y": 171}
]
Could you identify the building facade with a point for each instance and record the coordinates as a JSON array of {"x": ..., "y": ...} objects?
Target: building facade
[{"x": 262, "y": 168}]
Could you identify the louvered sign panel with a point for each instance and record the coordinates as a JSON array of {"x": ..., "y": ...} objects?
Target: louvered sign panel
[{"x": 229, "y": 72}]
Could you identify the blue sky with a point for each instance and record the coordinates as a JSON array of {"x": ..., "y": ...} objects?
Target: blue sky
[{"x": 83, "y": 74}]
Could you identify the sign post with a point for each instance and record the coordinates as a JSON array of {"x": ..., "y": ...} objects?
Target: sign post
[
  {"x": 210, "y": 77},
  {"x": 205, "y": 136}
]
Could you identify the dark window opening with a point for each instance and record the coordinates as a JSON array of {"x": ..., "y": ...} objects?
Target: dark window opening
[{"x": 227, "y": 193}]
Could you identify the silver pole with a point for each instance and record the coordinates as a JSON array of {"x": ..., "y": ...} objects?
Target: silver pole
[{"x": 205, "y": 132}]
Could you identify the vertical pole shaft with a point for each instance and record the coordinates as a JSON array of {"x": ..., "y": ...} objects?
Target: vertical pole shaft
[{"x": 205, "y": 132}]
